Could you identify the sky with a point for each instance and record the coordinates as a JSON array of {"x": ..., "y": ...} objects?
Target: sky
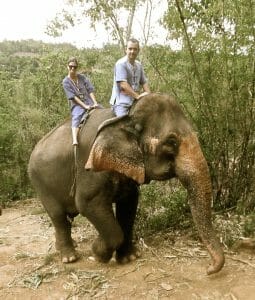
[{"x": 27, "y": 19}]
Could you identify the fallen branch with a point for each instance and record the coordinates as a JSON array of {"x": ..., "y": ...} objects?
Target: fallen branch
[{"x": 241, "y": 261}]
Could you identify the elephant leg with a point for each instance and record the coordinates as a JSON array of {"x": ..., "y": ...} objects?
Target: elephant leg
[
  {"x": 64, "y": 242},
  {"x": 99, "y": 212},
  {"x": 126, "y": 207}
]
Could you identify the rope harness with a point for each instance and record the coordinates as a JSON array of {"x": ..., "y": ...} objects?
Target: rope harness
[{"x": 81, "y": 126}]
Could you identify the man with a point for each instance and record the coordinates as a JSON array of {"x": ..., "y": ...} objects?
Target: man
[
  {"x": 128, "y": 78},
  {"x": 80, "y": 92}
]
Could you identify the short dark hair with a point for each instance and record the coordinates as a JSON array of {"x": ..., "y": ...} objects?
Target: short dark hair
[
  {"x": 73, "y": 59},
  {"x": 135, "y": 41}
]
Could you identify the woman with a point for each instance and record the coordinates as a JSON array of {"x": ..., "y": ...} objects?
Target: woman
[{"x": 80, "y": 92}]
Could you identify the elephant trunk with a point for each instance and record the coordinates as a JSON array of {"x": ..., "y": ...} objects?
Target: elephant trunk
[{"x": 192, "y": 170}]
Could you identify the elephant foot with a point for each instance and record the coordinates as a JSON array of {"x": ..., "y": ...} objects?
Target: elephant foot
[
  {"x": 218, "y": 260},
  {"x": 68, "y": 256},
  {"x": 126, "y": 255},
  {"x": 215, "y": 267},
  {"x": 67, "y": 253},
  {"x": 58, "y": 245},
  {"x": 101, "y": 252}
]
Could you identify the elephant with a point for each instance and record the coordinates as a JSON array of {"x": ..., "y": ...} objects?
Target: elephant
[{"x": 116, "y": 155}]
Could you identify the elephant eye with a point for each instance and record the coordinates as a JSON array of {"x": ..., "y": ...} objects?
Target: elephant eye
[
  {"x": 168, "y": 150},
  {"x": 171, "y": 145},
  {"x": 138, "y": 127}
]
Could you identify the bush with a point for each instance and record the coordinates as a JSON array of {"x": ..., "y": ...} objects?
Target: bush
[
  {"x": 162, "y": 205},
  {"x": 249, "y": 226}
]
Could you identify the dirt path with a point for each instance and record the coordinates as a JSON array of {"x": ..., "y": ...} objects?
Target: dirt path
[{"x": 31, "y": 269}]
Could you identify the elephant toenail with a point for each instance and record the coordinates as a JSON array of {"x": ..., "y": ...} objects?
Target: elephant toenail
[
  {"x": 132, "y": 257},
  {"x": 65, "y": 260},
  {"x": 124, "y": 260}
]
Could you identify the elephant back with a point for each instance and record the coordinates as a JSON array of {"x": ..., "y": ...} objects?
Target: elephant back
[
  {"x": 54, "y": 153},
  {"x": 59, "y": 139}
]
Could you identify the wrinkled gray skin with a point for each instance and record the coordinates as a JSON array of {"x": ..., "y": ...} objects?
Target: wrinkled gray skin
[{"x": 155, "y": 142}]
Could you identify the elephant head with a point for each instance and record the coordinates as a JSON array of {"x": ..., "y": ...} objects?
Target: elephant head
[{"x": 157, "y": 142}]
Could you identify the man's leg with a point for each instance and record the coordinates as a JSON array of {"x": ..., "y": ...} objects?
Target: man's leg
[{"x": 120, "y": 110}]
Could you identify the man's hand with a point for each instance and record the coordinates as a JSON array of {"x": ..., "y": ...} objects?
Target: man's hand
[{"x": 142, "y": 95}]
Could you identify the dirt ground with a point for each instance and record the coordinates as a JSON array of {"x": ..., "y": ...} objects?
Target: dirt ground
[{"x": 171, "y": 267}]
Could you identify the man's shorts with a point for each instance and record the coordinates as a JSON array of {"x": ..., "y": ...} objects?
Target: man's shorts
[{"x": 120, "y": 110}]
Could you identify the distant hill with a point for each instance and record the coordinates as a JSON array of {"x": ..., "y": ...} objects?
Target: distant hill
[{"x": 31, "y": 47}]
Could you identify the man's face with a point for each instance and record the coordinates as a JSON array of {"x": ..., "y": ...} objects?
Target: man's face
[{"x": 132, "y": 51}]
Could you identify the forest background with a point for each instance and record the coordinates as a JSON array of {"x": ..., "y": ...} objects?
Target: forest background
[{"x": 212, "y": 75}]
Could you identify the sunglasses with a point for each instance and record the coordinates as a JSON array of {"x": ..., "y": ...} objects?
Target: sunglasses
[{"x": 70, "y": 67}]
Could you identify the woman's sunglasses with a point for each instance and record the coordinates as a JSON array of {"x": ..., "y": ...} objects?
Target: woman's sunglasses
[{"x": 75, "y": 67}]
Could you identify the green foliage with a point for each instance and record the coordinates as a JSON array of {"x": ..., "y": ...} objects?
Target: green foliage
[
  {"x": 162, "y": 206},
  {"x": 249, "y": 226},
  {"x": 217, "y": 69},
  {"x": 98, "y": 65}
]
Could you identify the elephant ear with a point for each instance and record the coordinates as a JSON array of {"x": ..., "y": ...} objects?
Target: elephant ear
[{"x": 116, "y": 149}]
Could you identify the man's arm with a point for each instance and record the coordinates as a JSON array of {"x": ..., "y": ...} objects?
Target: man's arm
[
  {"x": 127, "y": 90},
  {"x": 146, "y": 88}
]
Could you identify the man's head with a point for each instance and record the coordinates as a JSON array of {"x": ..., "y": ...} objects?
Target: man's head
[{"x": 132, "y": 49}]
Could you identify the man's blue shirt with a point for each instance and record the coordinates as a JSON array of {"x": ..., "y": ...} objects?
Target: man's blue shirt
[{"x": 132, "y": 74}]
